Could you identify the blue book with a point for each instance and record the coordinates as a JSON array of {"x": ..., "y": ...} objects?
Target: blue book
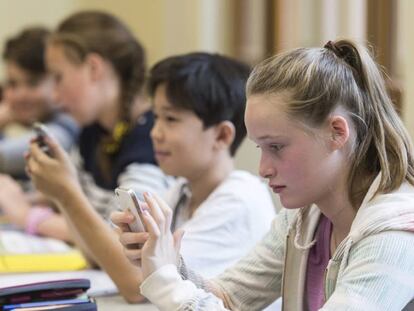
[{"x": 46, "y": 303}]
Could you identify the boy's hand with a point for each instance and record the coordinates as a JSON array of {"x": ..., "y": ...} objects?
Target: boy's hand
[{"x": 130, "y": 240}]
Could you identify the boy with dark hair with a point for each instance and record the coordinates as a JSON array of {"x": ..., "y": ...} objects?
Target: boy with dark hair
[
  {"x": 212, "y": 86},
  {"x": 199, "y": 102}
]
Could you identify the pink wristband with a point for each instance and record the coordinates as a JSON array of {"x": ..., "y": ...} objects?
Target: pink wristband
[{"x": 37, "y": 215}]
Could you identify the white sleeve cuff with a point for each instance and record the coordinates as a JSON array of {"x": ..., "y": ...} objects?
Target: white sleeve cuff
[{"x": 166, "y": 289}]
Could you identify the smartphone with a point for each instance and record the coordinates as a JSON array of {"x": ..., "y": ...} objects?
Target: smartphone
[
  {"x": 128, "y": 201},
  {"x": 41, "y": 133}
]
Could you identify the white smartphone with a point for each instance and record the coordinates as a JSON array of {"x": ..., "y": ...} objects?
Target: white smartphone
[
  {"x": 128, "y": 201},
  {"x": 41, "y": 133}
]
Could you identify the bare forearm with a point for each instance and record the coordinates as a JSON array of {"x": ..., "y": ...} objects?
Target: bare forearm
[
  {"x": 102, "y": 243},
  {"x": 55, "y": 227},
  {"x": 37, "y": 197},
  {"x": 60, "y": 227}
]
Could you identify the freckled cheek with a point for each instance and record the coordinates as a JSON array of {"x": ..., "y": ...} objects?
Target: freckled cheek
[
  {"x": 293, "y": 169},
  {"x": 289, "y": 172}
]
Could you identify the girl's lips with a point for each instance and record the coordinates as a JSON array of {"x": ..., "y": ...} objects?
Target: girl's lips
[{"x": 277, "y": 188}]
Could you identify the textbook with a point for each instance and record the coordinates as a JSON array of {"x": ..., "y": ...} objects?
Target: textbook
[{"x": 20, "y": 252}]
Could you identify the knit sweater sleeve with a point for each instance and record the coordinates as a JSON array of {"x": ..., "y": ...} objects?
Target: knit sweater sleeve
[
  {"x": 379, "y": 275},
  {"x": 253, "y": 283}
]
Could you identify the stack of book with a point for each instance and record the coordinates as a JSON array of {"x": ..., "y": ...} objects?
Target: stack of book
[{"x": 62, "y": 295}]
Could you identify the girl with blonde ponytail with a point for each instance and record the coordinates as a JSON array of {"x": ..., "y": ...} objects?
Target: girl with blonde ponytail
[{"x": 335, "y": 151}]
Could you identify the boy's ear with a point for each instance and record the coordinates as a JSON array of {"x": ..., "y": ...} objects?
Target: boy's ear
[
  {"x": 339, "y": 131},
  {"x": 95, "y": 65},
  {"x": 225, "y": 133}
]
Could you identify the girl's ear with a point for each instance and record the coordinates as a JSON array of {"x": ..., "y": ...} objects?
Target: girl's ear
[
  {"x": 224, "y": 134},
  {"x": 95, "y": 66},
  {"x": 339, "y": 131}
]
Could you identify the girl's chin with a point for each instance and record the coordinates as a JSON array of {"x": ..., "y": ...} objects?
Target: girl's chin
[{"x": 291, "y": 205}]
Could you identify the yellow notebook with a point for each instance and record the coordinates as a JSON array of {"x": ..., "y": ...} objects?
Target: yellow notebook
[{"x": 20, "y": 252}]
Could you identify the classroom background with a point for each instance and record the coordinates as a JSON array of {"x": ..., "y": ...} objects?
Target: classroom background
[{"x": 250, "y": 30}]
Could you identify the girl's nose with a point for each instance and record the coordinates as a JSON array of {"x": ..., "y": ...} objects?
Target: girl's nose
[{"x": 266, "y": 167}]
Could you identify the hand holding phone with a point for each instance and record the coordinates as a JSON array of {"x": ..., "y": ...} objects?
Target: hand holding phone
[
  {"x": 128, "y": 201},
  {"x": 41, "y": 133}
]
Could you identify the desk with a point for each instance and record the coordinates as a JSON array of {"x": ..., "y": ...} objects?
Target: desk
[
  {"x": 111, "y": 303},
  {"x": 100, "y": 284}
]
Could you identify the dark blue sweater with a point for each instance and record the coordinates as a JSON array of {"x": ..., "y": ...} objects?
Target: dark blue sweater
[{"x": 136, "y": 147}]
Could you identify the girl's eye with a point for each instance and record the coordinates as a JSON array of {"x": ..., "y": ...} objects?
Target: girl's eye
[
  {"x": 57, "y": 77},
  {"x": 11, "y": 83},
  {"x": 33, "y": 82},
  {"x": 276, "y": 147}
]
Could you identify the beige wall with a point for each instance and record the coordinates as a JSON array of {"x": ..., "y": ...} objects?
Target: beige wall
[
  {"x": 16, "y": 14},
  {"x": 405, "y": 58},
  {"x": 164, "y": 27}
]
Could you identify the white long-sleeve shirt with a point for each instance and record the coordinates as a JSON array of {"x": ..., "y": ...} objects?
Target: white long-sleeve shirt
[{"x": 226, "y": 226}]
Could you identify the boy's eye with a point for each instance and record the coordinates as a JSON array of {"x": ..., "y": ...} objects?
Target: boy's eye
[{"x": 171, "y": 119}]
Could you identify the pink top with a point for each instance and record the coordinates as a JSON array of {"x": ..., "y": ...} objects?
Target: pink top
[{"x": 318, "y": 259}]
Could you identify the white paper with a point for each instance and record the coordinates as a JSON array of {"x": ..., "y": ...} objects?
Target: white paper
[{"x": 15, "y": 242}]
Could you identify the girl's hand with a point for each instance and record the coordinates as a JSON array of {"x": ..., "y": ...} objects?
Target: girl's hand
[
  {"x": 161, "y": 247},
  {"x": 54, "y": 176}
]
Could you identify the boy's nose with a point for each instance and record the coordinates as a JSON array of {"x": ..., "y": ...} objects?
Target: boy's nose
[{"x": 156, "y": 132}]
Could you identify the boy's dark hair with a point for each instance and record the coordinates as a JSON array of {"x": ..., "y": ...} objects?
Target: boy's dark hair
[
  {"x": 27, "y": 50},
  {"x": 210, "y": 85}
]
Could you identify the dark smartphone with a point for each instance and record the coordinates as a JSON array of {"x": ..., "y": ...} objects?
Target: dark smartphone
[{"x": 41, "y": 133}]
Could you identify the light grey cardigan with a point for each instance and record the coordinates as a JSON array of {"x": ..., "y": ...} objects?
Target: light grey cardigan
[
  {"x": 372, "y": 269},
  {"x": 62, "y": 127}
]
